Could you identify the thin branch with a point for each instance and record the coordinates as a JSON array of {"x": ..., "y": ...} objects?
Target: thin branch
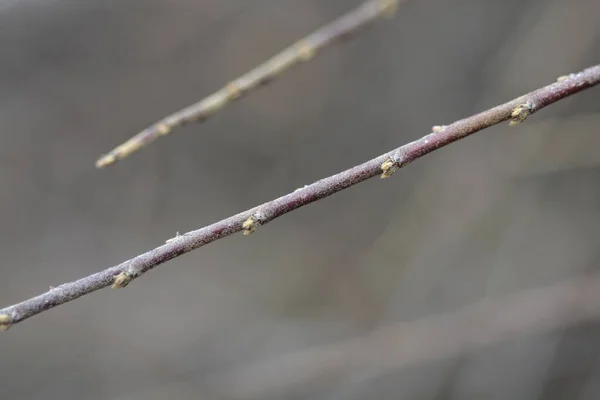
[
  {"x": 303, "y": 50},
  {"x": 248, "y": 221},
  {"x": 395, "y": 346}
]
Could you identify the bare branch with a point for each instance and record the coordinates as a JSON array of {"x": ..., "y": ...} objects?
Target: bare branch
[
  {"x": 303, "y": 50},
  {"x": 392, "y": 347},
  {"x": 249, "y": 221}
]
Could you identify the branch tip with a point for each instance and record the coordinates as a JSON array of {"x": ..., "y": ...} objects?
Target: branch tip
[
  {"x": 105, "y": 161},
  {"x": 130, "y": 146},
  {"x": 122, "y": 280},
  {"x": 520, "y": 113}
]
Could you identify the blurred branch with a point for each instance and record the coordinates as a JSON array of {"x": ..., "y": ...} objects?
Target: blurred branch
[
  {"x": 395, "y": 346},
  {"x": 303, "y": 50},
  {"x": 248, "y": 221}
]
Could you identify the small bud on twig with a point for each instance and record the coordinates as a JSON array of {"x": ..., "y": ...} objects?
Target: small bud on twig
[
  {"x": 6, "y": 321},
  {"x": 388, "y": 7},
  {"x": 564, "y": 77},
  {"x": 390, "y": 166},
  {"x": 163, "y": 129},
  {"x": 306, "y": 51},
  {"x": 122, "y": 280},
  {"x": 250, "y": 225},
  {"x": 177, "y": 236},
  {"x": 233, "y": 90},
  {"x": 520, "y": 113}
]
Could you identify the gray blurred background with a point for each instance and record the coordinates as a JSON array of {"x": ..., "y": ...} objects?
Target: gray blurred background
[{"x": 506, "y": 210}]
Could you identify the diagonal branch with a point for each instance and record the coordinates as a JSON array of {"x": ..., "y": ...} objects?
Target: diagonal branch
[
  {"x": 303, "y": 50},
  {"x": 248, "y": 221}
]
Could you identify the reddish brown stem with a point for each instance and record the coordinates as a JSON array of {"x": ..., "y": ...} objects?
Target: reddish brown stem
[{"x": 248, "y": 221}]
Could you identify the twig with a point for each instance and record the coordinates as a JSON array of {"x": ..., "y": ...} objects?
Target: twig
[
  {"x": 432, "y": 337},
  {"x": 250, "y": 220},
  {"x": 303, "y": 50}
]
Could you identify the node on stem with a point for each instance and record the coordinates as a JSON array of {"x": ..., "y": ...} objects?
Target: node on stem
[
  {"x": 306, "y": 51},
  {"x": 177, "y": 236},
  {"x": 390, "y": 166},
  {"x": 6, "y": 321},
  {"x": 163, "y": 129},
  {"x": 564, "y": 77},
  {"x": 388, "y": 7},
  {"x": 251, "y": 225},
  {"x": 233, "y": 90},
  {"x": 520, "y": 113},
  {"x": 122, "y": 280}
]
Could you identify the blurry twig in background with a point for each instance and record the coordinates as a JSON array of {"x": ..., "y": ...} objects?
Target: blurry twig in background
[
  {"x": 248, "y": 221},
  {"x": 303, "y": 50},
  {"x": 475, "y": 326}
]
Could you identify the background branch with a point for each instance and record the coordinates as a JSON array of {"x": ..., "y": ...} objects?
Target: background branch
[
  {"x": 398, "y": 345},
  {"x": 303, "y": 50},
  {"x": 248, "y": 221}
]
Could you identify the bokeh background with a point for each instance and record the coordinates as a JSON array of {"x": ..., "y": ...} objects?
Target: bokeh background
[{"x": 506, "y": 210}]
